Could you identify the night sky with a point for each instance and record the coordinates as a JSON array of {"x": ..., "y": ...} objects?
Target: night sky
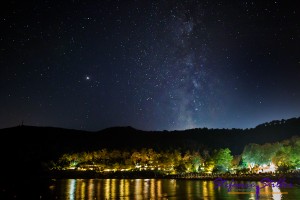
[{"x": 153, "y": 65}]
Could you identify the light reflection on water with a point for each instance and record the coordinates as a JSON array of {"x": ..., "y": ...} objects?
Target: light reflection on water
[{"x": 90, "y": 189}]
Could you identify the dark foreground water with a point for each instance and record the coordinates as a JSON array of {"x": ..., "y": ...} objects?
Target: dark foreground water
[{"x": 72, "y": 189}]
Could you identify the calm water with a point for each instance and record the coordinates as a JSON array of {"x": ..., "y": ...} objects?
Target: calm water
[
  {"x": 72, "y": 189},
  {"x": 135, "y": 189}
]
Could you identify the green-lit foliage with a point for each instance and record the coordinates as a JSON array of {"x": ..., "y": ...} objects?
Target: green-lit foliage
[
  {"x": 288, "y": 156},
  {"x": 223, "y": 159},
  {"x": 285, "y": 155},
  {"x": 251, "y": 154},
  {"x": 255, "y": 154},
  {"x": 196, "y": 161}
]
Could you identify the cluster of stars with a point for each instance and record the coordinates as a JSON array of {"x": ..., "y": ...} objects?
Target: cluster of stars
[{"x": 153, "y": 65}]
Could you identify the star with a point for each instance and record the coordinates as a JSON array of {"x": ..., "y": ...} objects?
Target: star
[{"x": 160, "y": 66}]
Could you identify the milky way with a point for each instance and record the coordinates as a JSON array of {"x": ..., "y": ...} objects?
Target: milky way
[{"x": 153, "y": 65}]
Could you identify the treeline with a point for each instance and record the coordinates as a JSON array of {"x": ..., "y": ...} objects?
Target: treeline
[
  {"x": 283, "y": 155},
  {"x": 31, "y": 147},
  {"x": 147, "y": 159}
]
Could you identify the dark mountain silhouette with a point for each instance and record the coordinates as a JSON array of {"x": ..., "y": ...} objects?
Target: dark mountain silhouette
[{"x": 25, "y": 148}]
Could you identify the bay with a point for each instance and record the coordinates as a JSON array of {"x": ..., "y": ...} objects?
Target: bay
[{"x": 175, "y": 189}]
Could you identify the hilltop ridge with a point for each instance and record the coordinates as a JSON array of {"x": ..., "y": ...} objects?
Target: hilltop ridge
[{"x": 32, "y": 145}]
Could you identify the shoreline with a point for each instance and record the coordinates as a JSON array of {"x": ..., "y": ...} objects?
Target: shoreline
[{"x": 291, "y": 178}]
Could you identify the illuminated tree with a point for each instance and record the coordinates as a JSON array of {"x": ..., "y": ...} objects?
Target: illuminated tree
[
  {"x": 251, "y": 154},
  {"x": 223, "y": 159},
  {"x": 209, "y": 165},
  {"x": 295, "y": 153},
  {"x": 267, "y": 152},
  {"x": 152, "y": 157},
  {"x": 196, "y": 161},
  {"x": 65, "y": 160},
  {"x": 136, "y": 157},
  {"x": 235, "y": 163},
  {"x": 166, "y": 160},
  {"x": 288, "y": 156},
  {"x": 144, "y": 156},
  {"x": 282, "y": 157}
]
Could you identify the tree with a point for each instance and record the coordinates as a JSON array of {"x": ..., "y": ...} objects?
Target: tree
[
  {"x": 196, "y": 161},
  {"x": 267, "y": 152},
  {"x": 288, "y": 156},
  {"x": 181, "y": 167},
  {"x": 153, "y": 157},
  {"x": 209, "y": 165},
  {"x": 223, "y": 159},
  {"x": 136, "y": 157},
  {"x": 251, "y": 154},
  {"x": 236, "y": 161}
]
